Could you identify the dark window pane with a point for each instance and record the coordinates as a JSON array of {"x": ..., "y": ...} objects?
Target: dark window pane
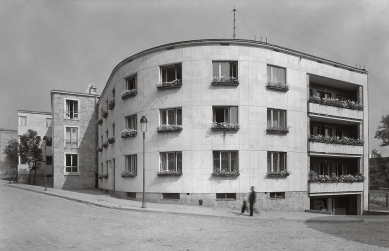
[
  {"x": 171, "y": 161},
  {"x": 216, "y": 160},
  {"x": 225, "y": 161},
  {"x": 219, "y": 115},
  {"x": 234, "y": 161},
  {"x": 179, "y": 161},
  {"x": 179, "y": 116},
  {"x": 68, "y": 159}
]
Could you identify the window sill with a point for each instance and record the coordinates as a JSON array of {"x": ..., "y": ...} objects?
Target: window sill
[
  {"x": 277, "y": 175},
  {"x": 133, "y": 134},
  {"x": 169, "y": 87},
  {"x": 277, "y": 88},
  {"x": 169, "y": 174},
  {"x": 126, "y": 96},
  {"x": 128, "y": 175},
  {"x": 224, "y": 129},
  {"x": 232, "y": 174},
  {"x": 167, "y": 131},
  {"x": 72, "y": 119},
  {"x": 275, "y": 131},
  {"x": 226, "y": 83}
]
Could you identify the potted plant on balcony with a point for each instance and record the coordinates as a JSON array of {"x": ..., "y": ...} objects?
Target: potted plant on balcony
[
  {"x": 347, "y": 104},
  {"x": 128, "y": 173},
  {"x": 224, "y": 126},
  {"x": 277, "y": 86},
  {"x": 172, "y": 84},
  {"x": 170, "y": 173},
  {"x": 100, "y": 121},
  {"x": 283, "y": 173},
  {"x": 129, "y": 133},
  {"x": 105, "y": 145},
  {"x": 104, "y": 114},
  {"x": 335, "y": 140},
  {"x": 225, "y": 81},
  {"x": 278, "y": 129},
  {"x": 129, "y": 93},
  {"x": 99, "y": 149},
  {"x": 169, "y": 128},
  {"x": 111, "y": 140},
  {"x": 100, "y": 176},
  {"x": 313, "y": 177},
  {"x": 111, "y": 104},
  {"x": 225, "y": 173}
]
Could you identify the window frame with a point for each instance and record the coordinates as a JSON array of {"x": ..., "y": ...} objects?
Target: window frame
[
  {"x": 19, "y": 120},
  {"x": 128, "y": 85},
  {"x": 271, "y": 77},
  {"x": 177, "y": 72},
  {"x": 78, "y": 137},
  {"x": 228, "y": 108},
  {"x": 176, "y": 168},
  {"x": 66, "y": 111},
  {"x": 280, "y": 111},
  {"x": 135, "y": 121},
  {"x": 170, "y": 196},
  {"x": 65, "y": 166},
  {"x": 129, "y": 160},
  {"x": 219, "y": 168},
  {"x": 176, "y": 120},
  {"x": 230, "y": 68},
  {"x": 270, "y": 168}
]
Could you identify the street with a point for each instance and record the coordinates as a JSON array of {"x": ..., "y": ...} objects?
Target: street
[{"x": 33, "y": 221}]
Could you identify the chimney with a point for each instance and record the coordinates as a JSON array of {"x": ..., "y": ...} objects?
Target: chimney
[{"x": 91, "y": 89}]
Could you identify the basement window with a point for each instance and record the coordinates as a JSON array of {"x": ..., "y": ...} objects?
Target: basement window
[
  {"x": 226, "y": 196},
  {"x": 171, "y": 196},
  {"x": 277, "y": 195}
]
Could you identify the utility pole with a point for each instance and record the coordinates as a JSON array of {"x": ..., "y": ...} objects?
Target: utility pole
[{"x": 234, "y": 22}]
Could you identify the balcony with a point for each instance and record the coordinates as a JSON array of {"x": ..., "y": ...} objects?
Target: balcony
[
  {"x": 320, "y": 147},
  {"x": 315, "y": 188},
  {"x": 334, "y": 111}
]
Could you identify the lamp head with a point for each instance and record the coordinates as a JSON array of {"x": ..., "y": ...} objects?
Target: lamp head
[{"x": 143, "y": 123}]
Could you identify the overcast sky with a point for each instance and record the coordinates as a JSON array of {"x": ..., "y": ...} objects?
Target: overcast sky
[{"x": 66, "y": 45}]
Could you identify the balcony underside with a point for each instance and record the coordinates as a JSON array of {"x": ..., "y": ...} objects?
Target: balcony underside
[{"x": 319, "y": 189}]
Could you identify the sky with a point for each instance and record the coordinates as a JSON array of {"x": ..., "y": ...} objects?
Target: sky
[{"x": 66, "y": 45}]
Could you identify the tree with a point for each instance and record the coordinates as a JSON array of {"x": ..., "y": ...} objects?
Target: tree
[
  {"x": 382, "y": 168},
  {"x": 382, "y": 132},
  {"x": 29, "y": 148},
  {"x": 12, "y": 152}
]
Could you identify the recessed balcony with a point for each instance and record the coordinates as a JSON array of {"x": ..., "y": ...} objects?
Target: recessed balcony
[{"x": 334, "y": 111}]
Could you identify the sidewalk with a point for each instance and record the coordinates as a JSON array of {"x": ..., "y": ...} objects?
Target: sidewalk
[{"x": 99, "y": 198}]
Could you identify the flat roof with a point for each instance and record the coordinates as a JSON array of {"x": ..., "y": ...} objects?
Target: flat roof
[
  {"x": 74, "y": 93},
  {"x": 246, "y": 42},
  {"x": 34, "y": 112}
]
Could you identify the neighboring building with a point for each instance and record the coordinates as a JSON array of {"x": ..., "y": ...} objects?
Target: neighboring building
[
  {"x": 224, "y": 115},
  {"x": 41, "y": 122},
  {"x": 75, "y": 141},
  {"x": 5, "y": 136}
]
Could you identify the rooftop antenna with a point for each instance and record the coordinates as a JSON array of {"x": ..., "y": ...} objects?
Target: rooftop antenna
[{"x": 234, "y": 22}]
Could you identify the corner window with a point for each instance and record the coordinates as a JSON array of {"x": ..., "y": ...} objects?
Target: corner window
[
  {"x": 225, "y": 114},
  {"x": 131, "y": 163},
  {"x": 225, "y": 161},
  {"x": 171, "y": 116},
  {"x": 276, "y": 74},
  {"x": 171, "y": 161},
  {"x": 71, "y": 164},
  {"x": 171, "y": 72},
  {"x": 131, "y": 122},
  {"x": 22, "y": 120},
  {"x": 71, "y": 109},
  {"x": 131, "y": 83},
  {"x": 48, "y": 122},
  {"x": 71, "y": 137},
  {"x": 276, "y": 162},
  {"x": 225, "y": 69},
  {"x": 276, "y": 118}
]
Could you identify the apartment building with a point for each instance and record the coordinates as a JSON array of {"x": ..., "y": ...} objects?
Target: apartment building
[{"x": 224, "y": 115}]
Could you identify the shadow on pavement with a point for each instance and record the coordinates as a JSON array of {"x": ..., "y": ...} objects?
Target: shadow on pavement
[{"x": 353, "y": 229}]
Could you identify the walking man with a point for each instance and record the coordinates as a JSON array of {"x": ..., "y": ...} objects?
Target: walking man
[{"x": 252, "y": 200}]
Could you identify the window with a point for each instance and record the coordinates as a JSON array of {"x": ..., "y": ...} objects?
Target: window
[
  {"x": 131, "y": 163},
  {"x": 71, "y": 109},
  {"x": 49, "y": 160},
  {"x": 276, "y": 118},
  {"x": 225, "y": 161},
  {"x": 171, "y": 116},
  {"x": 171, "y": 161},
  {"x": 113, "y": 130},
  {"x": 171, "y": 196},
  {"x": 276, "y": 162},
  {"x": 48, "y": 122},
  {"x": 225, "y": 114},
  {"x": 225, "y": 69},
  {"x": 225, "y": 196},
  {"x": 71, "y": 164},
  {"x": 325, "y": 169},
  {"x": 131, "y": 195},
  {"x": 131, "y": 122},
  {"x": 71, "y": 137},
  {"x": 341, "y": 170},
  {"x": 22, "y": 121},
  {"x": 171, "y": 72},
  {"x": 325, "y": 131},
  {"x": 276, "y": 74},
  {"x": 341, "y": 133},
  {"x": 277, "y": 195},
  {"x": 49, "y": 141},
  {"x": 322, "y": 94},
  {"x": 131, "y": 83}
]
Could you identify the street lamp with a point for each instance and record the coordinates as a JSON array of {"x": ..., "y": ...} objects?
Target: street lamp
[
  {"x": 46, "y": 139},
  {"x": 143, "y": 123}
]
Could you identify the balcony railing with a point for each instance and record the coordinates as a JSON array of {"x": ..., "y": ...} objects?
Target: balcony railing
[
  {"x": 320, "y": 147},
  {"x": 335, "y": 187},
  {"x": 334, "y": 111}
]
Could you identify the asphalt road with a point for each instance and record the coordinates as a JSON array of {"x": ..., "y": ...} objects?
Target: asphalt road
[{"x": 33, "y": 221}]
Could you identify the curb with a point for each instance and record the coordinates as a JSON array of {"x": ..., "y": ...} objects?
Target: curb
[{"x": 334, "y": 221}]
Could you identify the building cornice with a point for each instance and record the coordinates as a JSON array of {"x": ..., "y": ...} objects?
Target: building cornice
[
  {"x": 73, "y": 93},
  {"x": 34, "y": 112}
]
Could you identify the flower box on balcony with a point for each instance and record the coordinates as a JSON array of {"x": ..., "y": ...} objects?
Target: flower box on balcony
[
  {"x": 346, "y": 104},
  {"x": 224, "y": 126},
  {"x": 278, "y": 129},
  {"x": 111, "y": 104},
  {"x": 347, "y": 178},
  {"x": 129, "y": 93},
  {"x": 335, "y": 140},
  {"x": 105, "y": 145},
  {"x": 126, "y": 133},
  {"x": 280, "y": 86},
  {"x": 225, "y": 173},
  {"x": 127, "y": 173},
  {"x": 104, "y": 114},
  {"x": 280, "y": 174},
  {"x": 231, "y": 81},
  {"x": 105, "y": 176},
  {"x": 100, "y": 176},
  {"x": 169, "y": 173},
  {"x": 169, "y": 128},
  {"x": 99, "y": 149},
  {"x": 111, "y": 140},
  {"x": 100, "y": 121},
  {"x": 168, "y": 85}
]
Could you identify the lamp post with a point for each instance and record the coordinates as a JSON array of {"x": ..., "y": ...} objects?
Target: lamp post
[{"x": 143, "y": 123}]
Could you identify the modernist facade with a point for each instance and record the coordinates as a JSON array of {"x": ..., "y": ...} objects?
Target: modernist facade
[
  {"x": 224, "y": 115},
  {"x": 75, "y": 141},
  {"x": 41, "y": 122}
]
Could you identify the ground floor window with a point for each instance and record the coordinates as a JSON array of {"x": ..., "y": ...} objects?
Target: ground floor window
[
  {"x": 276, "y": 162},
  {"x": 131, "y": 163},
  {"x": 277, "y": 195},
  {"x": 171, "y": 161},
  {"x": 71, "y": 164},
  {"x": 225, "y": 161}
]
